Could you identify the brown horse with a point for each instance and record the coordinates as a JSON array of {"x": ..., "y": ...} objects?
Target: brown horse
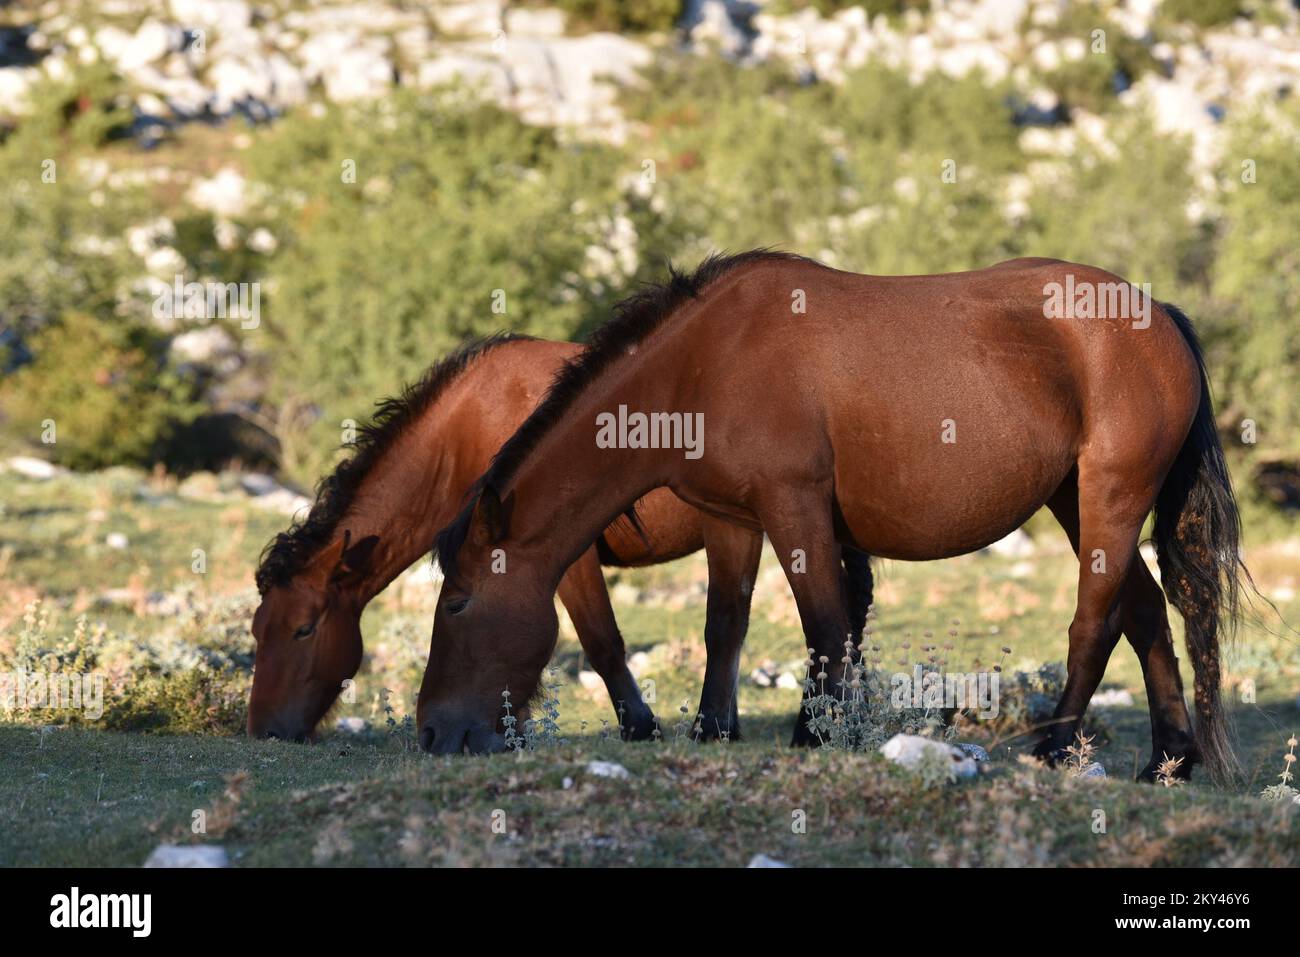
[
  {"x": 408, "y": 475},
  {"x": 912, "y": 417}
]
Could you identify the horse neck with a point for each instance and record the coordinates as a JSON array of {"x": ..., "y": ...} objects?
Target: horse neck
[
  {"x": 568, "y": 475},
  {"x": 407, "y": 496}
]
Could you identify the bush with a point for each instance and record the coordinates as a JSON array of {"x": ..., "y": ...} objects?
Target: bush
[
  {"x": 1203, "y": 13},
  {"x": 1123, "y": 208},
  {"x": 462, "y": 220},
  {"x": 1256, "y": 300},
  {"x": 103, "y": 386},
  {"x": 852, "y": 174},
  {"x": 620, "y": 16}
]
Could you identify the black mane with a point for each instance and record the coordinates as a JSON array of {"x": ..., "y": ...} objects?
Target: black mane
[
  {"x": 633, "y": 320},
  {"x": 288, "y": 553}
]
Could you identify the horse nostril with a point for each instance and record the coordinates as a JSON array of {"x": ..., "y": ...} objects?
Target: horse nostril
[{"x": 426, "y": 738}]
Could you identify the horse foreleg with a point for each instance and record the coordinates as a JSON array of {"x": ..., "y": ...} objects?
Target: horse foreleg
[
  {"x": 802, "y": 534},
  {"x": 733, "y": 562},
  {"x": 582, "y": 591}
]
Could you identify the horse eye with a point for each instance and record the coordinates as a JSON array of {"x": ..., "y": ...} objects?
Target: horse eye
[
  {"x": 457, "y": 605},
  {"x": 304, "y": 632}
]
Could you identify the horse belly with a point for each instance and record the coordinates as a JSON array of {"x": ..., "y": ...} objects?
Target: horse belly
[{"x": 949, "y": 500}]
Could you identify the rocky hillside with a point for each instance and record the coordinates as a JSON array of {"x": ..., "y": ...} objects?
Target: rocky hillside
[{"x": 201, "y": 140}]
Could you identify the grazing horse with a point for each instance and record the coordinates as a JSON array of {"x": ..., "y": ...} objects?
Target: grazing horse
[
  {"x": 407, "y": 476},
  {"x": 911, "y": 417}
]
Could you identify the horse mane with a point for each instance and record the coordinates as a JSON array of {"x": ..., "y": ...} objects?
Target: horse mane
[
  {"x": 288, "y": 553},
  {"x": 634, "y": 318}
]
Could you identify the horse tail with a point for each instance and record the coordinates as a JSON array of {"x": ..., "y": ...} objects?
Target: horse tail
[{"x": 1198, "y": 544}]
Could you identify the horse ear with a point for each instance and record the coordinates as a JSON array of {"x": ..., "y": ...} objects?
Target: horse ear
[
  {"x": 354, "y": 559},
  {"x": 492, "y": 516}
]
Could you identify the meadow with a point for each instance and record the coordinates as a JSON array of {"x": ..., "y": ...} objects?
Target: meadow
[{"x": 175, "y": 647}]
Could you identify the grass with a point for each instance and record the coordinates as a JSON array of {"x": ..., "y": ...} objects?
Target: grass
[
  {"x": 78, "y": 795},
  {"x": 92, "y": 797}
]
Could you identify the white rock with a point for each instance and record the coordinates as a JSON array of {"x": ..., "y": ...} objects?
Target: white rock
[
  {"x": 284, "y": 502},
  {"x": 151, "y": 42},
  {"x": 487, "y": 77},
  {"x": 529, "y": 22},
  {"x": 1094, "y": 771},
  {"x": 1016, "y": 545},
  {"x": 762, "y": 860},
  {"x": 607, "y": 769},
  {"x": 351, "y": 725},
  {"x": 262, "y": 240},
  {"x": 116, "y": 541},
  {"x": 224, "y": 194},
  {"x": 625, "y": 594},
  {"x": 212, "y": 13},
  {"x": 590, "y": 680},
  {"x": 638, "y": 664},
  {"x": 208, "y": 344},
  {"x": 787, "y": 682},
  {"x": 15, "y": 82},
  {"x": 188, "y": 855},
  {"x": 480, "y": 18},
  {"x": 258, "y": 483},
  {"x": 33, "y": 468},
  {"x": 1113, "y": 698},
  {"x": 909, "y": 749}
]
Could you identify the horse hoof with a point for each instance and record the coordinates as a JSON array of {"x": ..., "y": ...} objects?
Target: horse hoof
[
  {"x": 640, "y": 728},
  {"x": 714, "y": 728}
]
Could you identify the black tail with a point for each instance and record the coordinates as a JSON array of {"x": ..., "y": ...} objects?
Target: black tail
[
  {"x": 1198, "y": 543},
  {"x": 858, "y": 586}
]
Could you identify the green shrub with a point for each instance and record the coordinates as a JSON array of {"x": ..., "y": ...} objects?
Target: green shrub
[
  {"x": 1203, "y": 13},
  {"x": 104, "y": 388},
  {"x": 462, "y": 220},
  {"x": 890, "y": 8},
  {"x": 1123, "y": 207},
  {"x": 1256, "y": 299},
  {"x": 620, "y": 16},
  {"x": 852, "y": 173}
]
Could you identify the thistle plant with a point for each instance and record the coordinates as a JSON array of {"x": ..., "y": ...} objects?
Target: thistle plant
[
  {"x": 1284, "y": 790},
  {"x": 858, "y": 715},
  {"x": 1079, "y": 755},
  {"x": 508, "y": 721},
  {"x": 536, "y": 732},
  {"x": 1167, "y": 771}
]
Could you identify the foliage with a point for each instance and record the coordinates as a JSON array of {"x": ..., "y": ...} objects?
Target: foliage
[
  {"x": 1203, "y": 13},
  {"x": 1256, "y": 299},
  {"x": 461, "y": 220},
  {"x": 102, "y": 387},
  {"x": 620, "y": 16}
]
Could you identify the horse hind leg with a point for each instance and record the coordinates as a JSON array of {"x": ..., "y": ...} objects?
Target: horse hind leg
[
  {"x": 1145, "y": 623},
  {"x": 1105, "y": 528}
]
